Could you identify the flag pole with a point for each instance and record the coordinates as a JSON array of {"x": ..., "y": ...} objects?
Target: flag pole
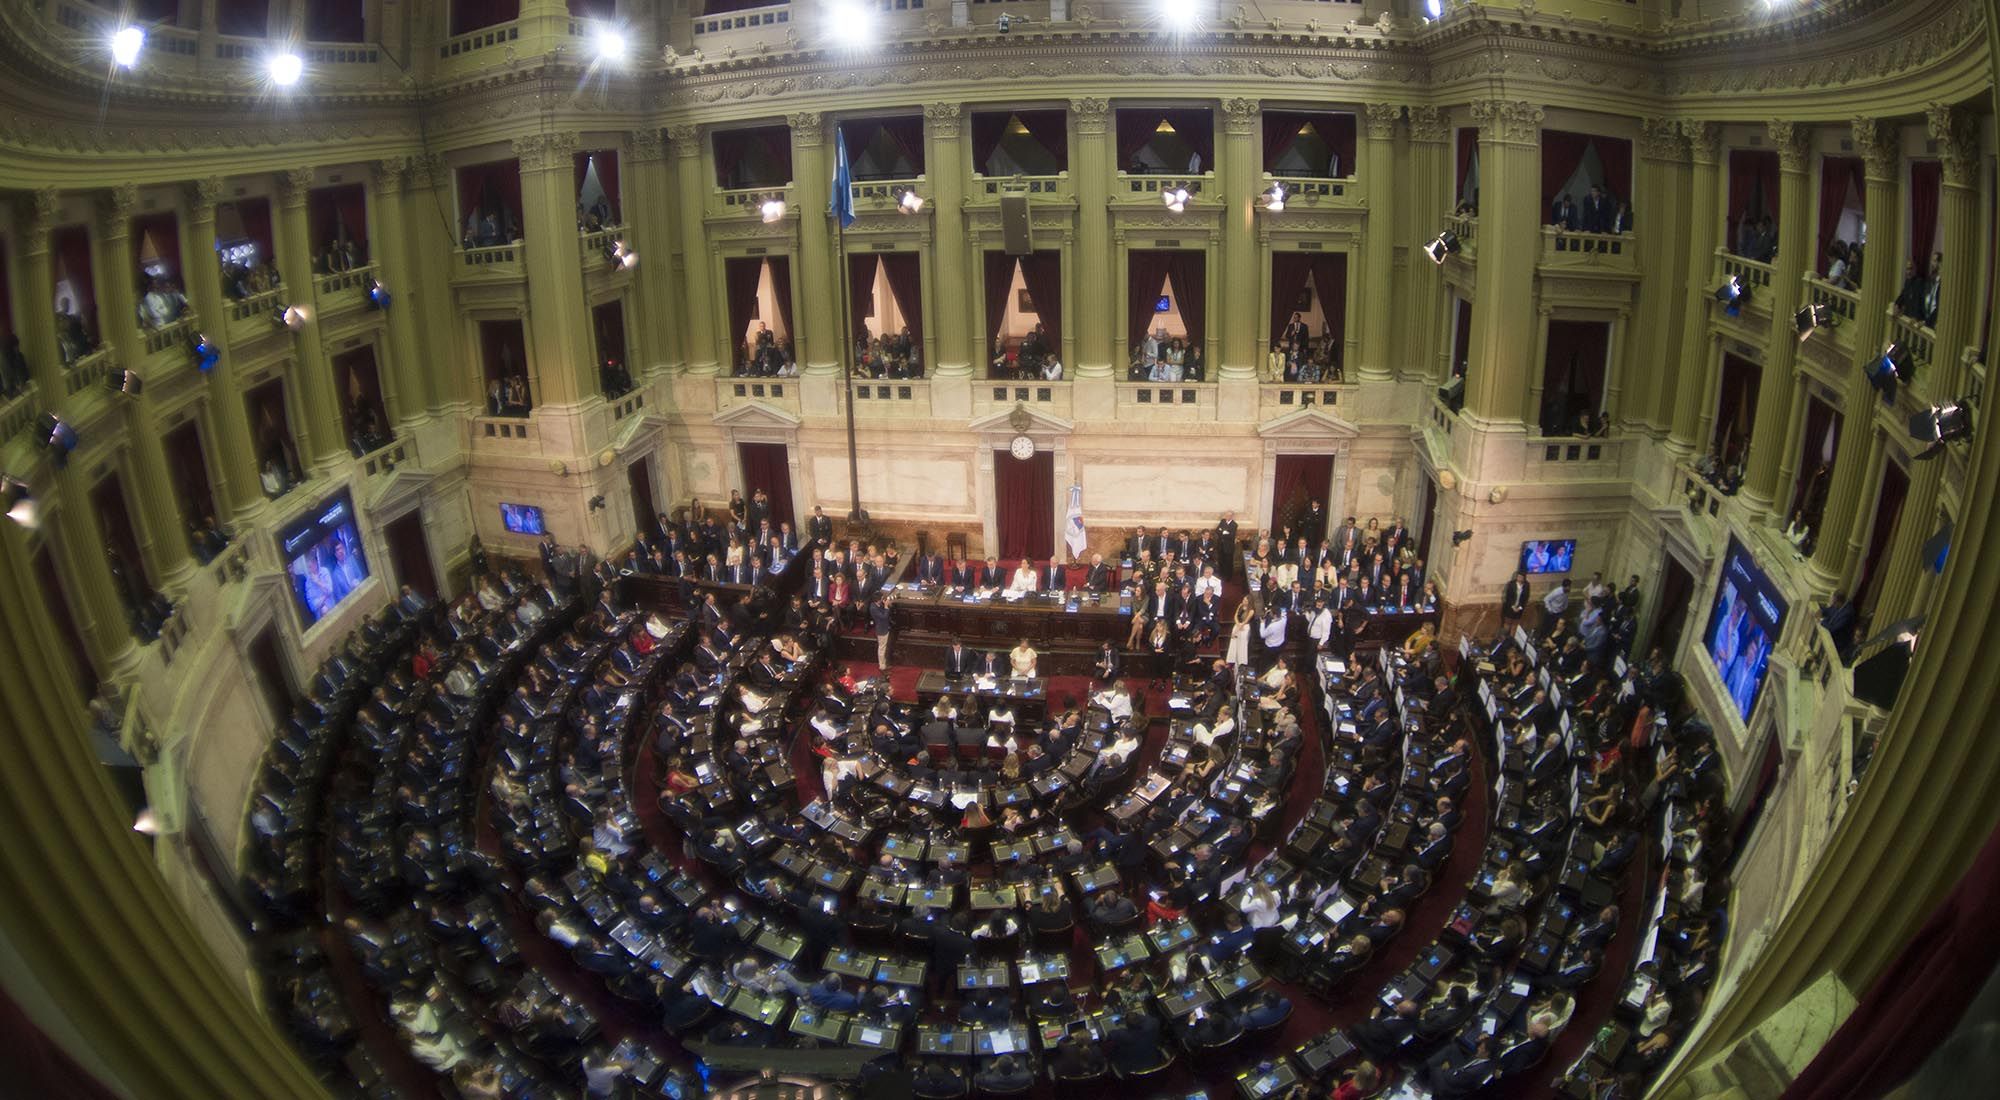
[{"x": 841, "y": 210}]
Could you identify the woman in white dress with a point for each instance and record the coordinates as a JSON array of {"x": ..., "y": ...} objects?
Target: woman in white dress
[{"x": 1239, "y": 634}]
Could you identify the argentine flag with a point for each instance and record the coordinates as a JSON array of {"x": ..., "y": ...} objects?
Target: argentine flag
[
  {"x": 1074, "y": 535},
  {"x": 842, "y": 206}
]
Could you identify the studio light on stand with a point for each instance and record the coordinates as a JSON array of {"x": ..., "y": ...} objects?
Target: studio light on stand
[
  {"x": 58, "y": 437},
  {"x": 1889, "y": 370},
  {"x": 378, "y": 295},
  {"x": 1274, "y": 198},
  {"x": 1941, "y": 424},
  {"x": 1176, "y": 198},
  {"x": 1733, "y": 295},
  {"x": 16, "y": 502},
  {"x": 1459, "y": 538},
  {"x": 772, "y": 210},
  {"x": 1442, "y": 246},
  {"x": 125, "y": 382},
  {"x": 203, "y": 351},
  {"x": 291, "y": 317},
  {"x": 908, "y": 201},
  {"x": 1816, "y": 316}
]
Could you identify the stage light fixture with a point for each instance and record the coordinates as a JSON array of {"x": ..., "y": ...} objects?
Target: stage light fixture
[
  {"x": 378, "y": 295},
  {"x": 126, "y": 44},
  {"x": 1006, "y": 23},
  {"x": 1274, "y": 199},
  {"x": 1434, "y": 8},
  {"x": 1459, "y": 538},
  {"x": 1889, "y": 370},
  {"x": 908, "y": 201},
  {"x": 611, "y": 44},
  {"x": 124, "y": 381},
  {"x": 850, "y": 23},
  {"x": 16, "y": 502},
  {"x": 596, "y": 503},
  {"x": 204, "y": 351},
  {"x": 1818, "y": 315},
  {"x": 1179, "y": 15},
  {"x": 1733, "y": 295},
  {"x": 1444, "y": 245},
  {"x": 1176, "y": 198},
  {"x": 58, "y": 437},
  {"x": 286, "y": 68},
  {"x": 291, "y": 317},
  {"x": 772, "y": 210},
  {"x": 1941, "y": 424}
]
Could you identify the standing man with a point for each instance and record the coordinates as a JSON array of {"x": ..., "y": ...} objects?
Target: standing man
[
  {"x": 1228, "y": 548},
  {"x": 819, "y": 528},
  {"x": 1514, "y": 601},
  {"x": 878, "y": 611}
]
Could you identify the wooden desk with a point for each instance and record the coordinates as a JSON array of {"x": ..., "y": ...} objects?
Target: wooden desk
[{"x": 1042, "y": 619}]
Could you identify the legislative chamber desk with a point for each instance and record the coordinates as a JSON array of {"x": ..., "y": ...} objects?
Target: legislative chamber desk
[{"x": 984, "y": 624}]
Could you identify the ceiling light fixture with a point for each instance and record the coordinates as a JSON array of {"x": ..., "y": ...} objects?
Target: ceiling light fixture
[
  {"x": 286, "y": 69},
  {"x": 126, "y": 43}
]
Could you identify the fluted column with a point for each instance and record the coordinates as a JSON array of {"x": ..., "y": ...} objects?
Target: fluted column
[
  {"x": 101, "y": 611},
  {"x": 235, "y": 472},
  {"x": 822, "y": 324},
  {"x": 311, "y": 377},
  {"x": 1774, "y": 389},
  {"x": 1693, "y": 375},
  {"x": 945, "y": 166},
  {"x": 649, "y": 229},
  {"x": 1090, "y": 169},
  {"x": 115, "y": 270},
  {"x": 1839, "y": 536},
  {"x": 1653, "y": 361},
  {"x": 698, "y": 268},
  {"x": 431, "y": 257},
  {"x": 1423, "y": 292},
  {"x": 1378, "y": 246},
  {"x": 34, "y": 317},
  {"x": 1510, "y": 241},
  {"x": 391, "y": 253},
  {"x": 565, "y": 365},
  {"x": 1240, "y": 165}
]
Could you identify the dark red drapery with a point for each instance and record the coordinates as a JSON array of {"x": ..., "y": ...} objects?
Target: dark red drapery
[
  {"x": 164, "y": 231},
  {"x": 503, "y": 347},
  {"x": 906, "y": 131},
  {"x": 1615, "y": 154},
  {"x": 188, "y": 466},
  {"x": 1926, "y": 179},
  {"x": 1888, "y": 510},
  {"x": 1837, "y": 177},
  {"x": 1024, "y": 494},
  {"x": 271, "y": 425},
  {"x": 740, "y": 275},
  {"x": 999, "y": 278},
  {"x": 1336, "y": 129},
  {"x": 1911, "y": 1006},
  {"x": 252, "y": 18},
  {"x": 781, "y": 292},
  {"x": 905, "y": 273},
  {"x": 1562, "y": 152},
  {"x": 114, "y": 522},
  {"x": 1187, "y": 273},
  {"x": 1048, "y": 128},
  {"x": 1289, "y": 272},
  {"x": 1468, "y": 143},
  {"x": 860, "y": 287},
  {"x": 345, "y": 208},
  {"x": 767, "y": 466},
  {"x": 1042, "y": 271},
  {"x": 1736, "y": 406},
  {"x": 1296, "y": 480},
  {"x": 1193, "y": 125},
  {"x": 255, "y": 217},
  {"x": 490, "y": 188},
  {"x": 470, "y": 15},
  {"x": 410, "y": 552},
  {"x": 1573, "y": 371},
  {"x": 608, "y": 322},
  {"x": 359, "y": 382},
  {"x": 607, "y": 176},
  {"x": 755, "y": 156},
  {"x": 1329, "y": 278},
  {"x": 336, "y": 20},
  {"x": 1815, "y": 465},
  {"x": 71, "y": 246},
  {"x": 1145, "y": 272},
  {"x": 1753, "y": 187}
]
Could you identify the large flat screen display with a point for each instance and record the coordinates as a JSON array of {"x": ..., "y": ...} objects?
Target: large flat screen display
[
  {"x": 522, "y": 519},
  {"x": 1548, "y": 555},
  {"x": 323, "y": 557},
  {"x": 1748, "y": 619}
]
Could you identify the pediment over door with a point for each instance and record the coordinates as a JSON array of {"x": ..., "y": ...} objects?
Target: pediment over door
[
  {"x": 1307, "y": 426},
  {"x": 1022, "y": 420},
  {"x": 755, "y": 414}
]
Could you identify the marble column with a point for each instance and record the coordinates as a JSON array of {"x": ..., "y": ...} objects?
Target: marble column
[
  {"x": 310, "y": 381},
  {"x": 1240, "y": 175},
  {"x": 100, "y": 610},
  {"x": 235, "y": 469},
  {"x": 946, "y": 163},
  {"x": 817, "y": 313},
  {"x": 1840, "y": 533},
  {"x": 647, "y": 208},
  {"x": 1693, "y": 376},
  {"x": 1510, "y": 242},
  {"x": 1781, "y": 347},
  {"x": 563, "y": 360},
  {"x": 1378, "y": 246},
  {"x": 432, "y": 258},
  {"x": 115, "y": 271},
  {"x": 34, "y": 317},
  {"x": 1661, "y": 189},
  {"x": 397, "y": 274},
  {"x": 692, "y": 181},
  {"x": 1428, "y": 349},
  {"x": 1096, "y": 313}
]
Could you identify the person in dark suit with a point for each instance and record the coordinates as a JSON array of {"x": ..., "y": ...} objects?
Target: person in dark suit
[
  {"x": 958, "y": 660},
  {"x": 819, "y": 528},
  {"x": 1109, "y": 664},
  {"x": 1134, "y": 1045},
  {"x": 1005, "y": 1074},
  {"x": 1054, "y": 577},
  {"x": 1563, "y": 214},
  {"x": 930, "y": 568},
  {"x": 1522, "y": 1051},
  {"x": 1596, "y": 211},
  {"x": 1098, "y": 578},
  {"x": 1312, "y": 525},
  {"x": 991, "y": 575},
  {"x": 1225, "y": 537},
  {"x": 1453, "y": 1077},
  {"x": 1383, "y": 1032},
  {"x": 1514, "y": 600},
  {"x": 1162, "y": 604}
]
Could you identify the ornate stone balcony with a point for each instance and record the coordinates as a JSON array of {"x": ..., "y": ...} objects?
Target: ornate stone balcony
[
  {"x": 16, "y": 413},
  {"x": 1607, "y": 253},
  {"x": 343, "y": 289},
  {"x": 779, "y": 393},
  {"x": 170, "y": 337},
  {"x": 1844, "y": 304},
  {"x": 87, "y": 371},
  {"x": 496, "y": 263}
]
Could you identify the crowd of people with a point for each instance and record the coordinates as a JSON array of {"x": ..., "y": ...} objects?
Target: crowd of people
[
  {"x": 1298, "y": 356},
  {"x": 341, "y": 254},
  {"x": 766, "y": 356},
  {"x": 1034, "y": 358},
  {"x": 1161, "y": 358},
  {"x": 161, "y": 302},
  {"x": 508, "y": 396},
  {"x": 1757, "y": 238},
  {"x": 247, "y": 280},
  {"x": 1597, "y": 213},
  {"x": 891, "y": 355},
  {"x": 1918, "y": 297}
]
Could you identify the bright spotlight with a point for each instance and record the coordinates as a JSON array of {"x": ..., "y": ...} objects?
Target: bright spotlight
[
  {"x": 611, "y": 44},
  {"x": 1274, "y": 199},
  {"x": 1179, "y": 15},
  {"x": 1442, "y": 247},
  {"x": 125, "y": 46},
  {"x": 1434, "y": 8},
  {"x": 1941, "y": 424},
  {"x": 1176, "y": 198},
  {"x": 1733, "y": 295},
  {"x": 850, "y": 23},
  {"x": 291, "y": 317},
  {"x": 286, "y": 68},
  {"x": 910, "y": 202},
  {"x": 16, "y": 502},
  {"x": 773, "y": 209}
]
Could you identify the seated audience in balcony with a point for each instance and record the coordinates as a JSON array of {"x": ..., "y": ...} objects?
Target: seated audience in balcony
[
  {"x": 1564, "y": 214},
  {"x": 1621, "y": 219},
  {"x": 366, "y": 431},
  {"x": 594, "y": 217},
  {"x": 249, "y": 280},
  {"x": 614, "y": 378},
  {"x": 508, "y": 396},
  {"x": 162, "y": 304},
  {"x": 1837, "y": 270}
]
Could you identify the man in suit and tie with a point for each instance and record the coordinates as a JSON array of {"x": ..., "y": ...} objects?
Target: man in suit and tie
[
  {"x": 1137, "y": 544},
  {"x": 1346, "y": 544},
  {"x": 1054, "y": 577},
  {"x": 991, "y": 576},
  {"x": 1225, "y": 538},
  {"x": 1313, "y": 524},
  {"x": 1596, "y": 211},
  {"x": 819, "y": 527},
  {"x": 1161, "y": 542},
  {"x": 930, "y": 568},
  {"x": 1109, "y": 664},
  {"x": 1514, "y": 601},
  {"x": 1163, "y": 604},
  {"x": 1098, "y": 578},
  {"x": 958, "y": 660}
]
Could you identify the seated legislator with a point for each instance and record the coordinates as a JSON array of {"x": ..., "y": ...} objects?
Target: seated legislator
[
  {"x": 1022, "y": 660},
  {"x": 1024, "y": 579}
]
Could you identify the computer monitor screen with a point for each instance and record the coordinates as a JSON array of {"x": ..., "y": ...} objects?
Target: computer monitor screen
[
  {"x": 1744, "y": 626},
  {"x": 1548, "y": 555},
  {"x": 323, "y": 557},
  {"x": 522, "y": 519}
]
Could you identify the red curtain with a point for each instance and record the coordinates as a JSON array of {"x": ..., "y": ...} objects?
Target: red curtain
[
  {"x": 1753, "y": 187},
  {"x": 1025, "y": 495},
  {"x": 114, "y": 521},
  {"x": 1296, "y": 480},
  {"x": 1562, "y": 153},
  {"x": 1289, "y": 272},
  {"x": 767, "y": 466},
  {"x": 1615, "y": 154},
  {"x": 335, "y": 20},
  {"x": 1888, "y": 509},
  {"x": 1048, "y": 128},
  {"x": 255, "y": 214},
  {"x": 163, "y": 230},
  {"x": 1042, "y": 271},
  {"x": 999, "y": 279},
  {"x": 1573, "y": 371},
  {"x": 755, "y": 156},
  {"x": 860, "y": 285},
  {"x": 1816, "y": 448},
  {"x": 189, "y": 470},
  {"x": 334, "y": 209},
  {"x": 1337, "y": 130},
  {"x": 781, "y": 290},
  {"x": 503, "y": 348},
  {"x": 1836, "y": 176},
  {"x": 1187, "y": 272},
  {"x": 1926, "y": 178},
  {"x": 359, "y": 380},
  {"x": 1329, "y": 276},
  {"x": 740, "y": 275},
  {"x": 252, "y": 18},
  {"x": 1194, "y": 126},
  {"x": 1736, "y": 406},
  {"x": 1468, "y": 143},
  {"x": 608, "y": 320},
  {"x": 1912, "y": 1005},
  {"x": 607, "y": 176},
  {"x": 491, "y": 188},
  {"x": 470, "y": 15},
  {"x": 905, "y": 274},
  {"x": 71, "y": 245},
  {"x": 271, "y": 425},
  {"x": 1145, "y": 272},
  {"x": 410, "y": 553}
]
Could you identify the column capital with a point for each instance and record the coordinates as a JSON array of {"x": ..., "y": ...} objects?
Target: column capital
[
  {"x": 1876, "y": 142},
  {"x": 39, "y": 211},
  {"x": 427, "y": 170},
  {"x": 1380, "y": 118},
  {"x": 1089, "y": 114},
  {"x": 293, "y": 186},
  {"x": 648, "y": 146},
  {"x": 1791, "y": 142},
  {"x": 808, "y": 132},
  {"x": 389, "y": 174},
  {"x": 1241, "y": 115},
  {"x": 115, "y": 208},
  {"x": 1512, "y": 121},
  {"x": 1661, "y": 139},
  {"x": 686, "y": 137},
  {"x": 943, "y": 119},
  {"x": 1958, "y": 143},
  {"x": 1430, "y": 124},
  {"x": 545, "y": 152},
  {"x": 1704, "y": 140},
  {"x": 202, "y": 197}
]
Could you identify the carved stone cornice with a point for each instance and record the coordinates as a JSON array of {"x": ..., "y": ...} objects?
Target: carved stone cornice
[
  {"x": 202, "y": 197},
  {"x": 1089, "y": 114},
  {"x": 427, "y": 170},
  {"x": 39, "y": 211},
  {"x": 1661, "y": 140},
  {"x": 1430, "y": 124},
  {"x": 1790, "y": 140},
  {"x": 648, "y": 146},
  {"x": 115, "y": 208},
  {"x": 1380, "y": 119},
  {"x": 1875, "y": 140},
  {"x": 545, "y": 152},
  {"x": 1241, "y": 116},
  {"x": 293, "y": 186},
  {"x": 1958, "y": 143},
  {"x": 1513, "y": 121},
  {"x": 943, "y": 120},
  {"x": 389, "y": 174},
  {"x": 808, "y": 132},
  {"x": 685, "y": 137},
  {"x": 1704, "y": 140}
]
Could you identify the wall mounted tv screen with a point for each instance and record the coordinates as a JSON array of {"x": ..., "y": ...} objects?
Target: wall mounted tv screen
[
  {"x": 1745, "y": 625},
  {"x": 324, "y": 557},
  {"x": 522, "y": 519},
  {"x": 1548, "y": 555}
]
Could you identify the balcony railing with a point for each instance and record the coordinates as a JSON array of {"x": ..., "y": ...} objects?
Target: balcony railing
[
  {"x": 749, "y": 19},
  {"x": 1132, "y": 186},
  {"x": 892, "y": 398},
  {"x": 339, "y": 282},
  {"x": 1165, "y": 400},
  {"x": 1599, "y": 250},
  {"x": 1033, "y": 185},
  {"x": 173, "y": 335},
  {"x": 994, "y": 394},
  {"x": 1573, "y": 458},
  {"x": 1751, "y": 273},
  {"x": 257, "y": 305},
  {"x": 87, "y": 371},
  {"x": 17, "y": 413},
  {"x": 1311, "y": 190},
  {"x": 1916, "y": 338},
  {"x": 884, "y": 194},
  {"x": 1845, "y": 304},
  {"x": 504, "y": 430},
  {"x": 751, "y": 200},
  {"x": 499, "y": 259},
  {"x": 483, "y": 38},
  {"x": 782, "y": 393},
  {"x": 384, "y": 459},
  {"x": 1279, "y": 398},
  {"x": 1466, "y": 228}
]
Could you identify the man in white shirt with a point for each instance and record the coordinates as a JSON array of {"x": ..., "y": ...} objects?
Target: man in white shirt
[
  {"x": 1052, "y": 370},
  {"x": 1272, "y": 629},
  {"x": 1208, "y": 582},
  {"x": 1556, "y": 602}
]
